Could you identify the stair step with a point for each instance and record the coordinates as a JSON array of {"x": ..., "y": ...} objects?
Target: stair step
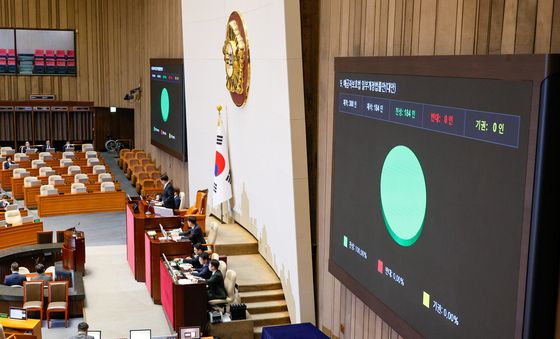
[
  {"x": 256, "y": 296},
  {"x": 267, "y": 306},
  {"x": 260, "y": 287},
  {"x": 274, "y": 318},
  {"x": 257, "y": 330}
]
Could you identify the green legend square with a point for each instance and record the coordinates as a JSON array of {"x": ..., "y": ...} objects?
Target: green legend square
[{"x": 346, "y": 241}]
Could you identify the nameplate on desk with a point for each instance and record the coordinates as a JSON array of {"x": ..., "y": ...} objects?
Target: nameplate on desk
[{"x": 42, "y": 97}]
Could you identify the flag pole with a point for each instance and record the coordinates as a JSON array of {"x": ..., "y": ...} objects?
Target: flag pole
[{"x": 219, "y": 107}]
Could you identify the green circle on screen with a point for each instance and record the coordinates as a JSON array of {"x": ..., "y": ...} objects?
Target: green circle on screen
[
  {"x": 164, "y": 102},
  {"x": 403, "y": 195}
]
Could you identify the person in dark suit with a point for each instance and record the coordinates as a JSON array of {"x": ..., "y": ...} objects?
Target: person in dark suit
[
  {"x": 177, "y": 198},
  {"x": 6, "y": 164},
  {"x": 215, "y": 284},
  {"x": 48, "y": 144},
  {"x": 204, "y": 271},
  {"x": 26, "y": 147},
  {"x": 167, "y": 196},
  {"x": 4, "y": 202},
  {"x": 40, "y": 268},
  {"x": 194, "y": 234},
  {"x": 82, "y": 332},
  {"x": 195, "y": 261},
  {"x": 15, "y": 278}
]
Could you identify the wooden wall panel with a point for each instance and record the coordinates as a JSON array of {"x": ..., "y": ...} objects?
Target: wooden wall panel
[
  {"x": 115, "y": 40},
  {"x": 405, "y": 27}
]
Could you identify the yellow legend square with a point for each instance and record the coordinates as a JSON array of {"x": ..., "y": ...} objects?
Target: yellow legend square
[{"x": 426, "y": 300}]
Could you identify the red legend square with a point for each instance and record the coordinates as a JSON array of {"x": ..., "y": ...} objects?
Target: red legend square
[{"x": 380, "y": 266}]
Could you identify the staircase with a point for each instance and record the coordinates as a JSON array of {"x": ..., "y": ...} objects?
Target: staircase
[{"x": 259, "y": 286}]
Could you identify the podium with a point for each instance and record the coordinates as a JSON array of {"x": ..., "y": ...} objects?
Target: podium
[{"x": 74, "y": 251}]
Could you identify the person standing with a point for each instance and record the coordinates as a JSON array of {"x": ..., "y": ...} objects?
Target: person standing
[{"x": 167, "y": 196}]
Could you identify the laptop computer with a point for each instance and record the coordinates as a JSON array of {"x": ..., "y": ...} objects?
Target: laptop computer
[
  {"x": 140, "y": 334},
  {"x": 18, "y": 313},
  {"x": 94, "y": 334}
]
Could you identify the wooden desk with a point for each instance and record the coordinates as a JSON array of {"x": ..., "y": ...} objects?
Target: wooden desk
[
  {"x": 30, "y": 194},
  {"x": 64, "y": 204},
  {"x": 184, "y": 305},
  {"x": 25, "y": 234},
  {"x": 22, "y": 211},
  {"x": 12, "y": 326},
  {"x": 136, "y": 225},
  {"x": 154, "y": 248}
]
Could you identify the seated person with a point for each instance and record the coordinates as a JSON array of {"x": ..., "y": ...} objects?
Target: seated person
[
  {"x": 204, "y": 271},
  {"x": 68, "y": 146},
  {"x": 6, "y": 164},
  {"x": 195, "y": 261},
  {"x": 82, "y": 332},
  {"x": 194, "y": 234},
  {"x": 48, "y": 144},
  {"x": 40, "y": 268},
  {"x": 15, "y": 278},
  {"x": 215, "y": 284},
  {"x": 26, "y": 147},
  {"x": 177, "y": 198},
  {"x": 4, "y": 202}
]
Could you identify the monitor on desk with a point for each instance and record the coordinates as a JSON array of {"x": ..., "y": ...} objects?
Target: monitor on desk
[
  {"x": 28, "y": 219},
  {"x": 3, "y": 223},
  {"x": 140, "y": 334},
  {"x": 163, "y": 211},
  {"x": 94, "y": 334},
  {"x": 18, "y": 313},
  {"x": 12, "y": 166},
  {"x": 50, "y": 150},
  {"x": 189, "y": 332},
  {"x": 30, "y": 150}
]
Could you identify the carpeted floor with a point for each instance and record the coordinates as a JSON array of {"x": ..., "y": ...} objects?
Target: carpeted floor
[{"x": 115, "y": 301}]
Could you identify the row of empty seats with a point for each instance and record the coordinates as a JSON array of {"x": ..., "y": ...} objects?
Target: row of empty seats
[
  {"x": 141, "y": 170},
  {"x": 44, "y": 156},
  {"x": 56, "y": 179},
  {"x": 7, "y": 150},
  {"x": 62, "y": 162},
  {"x": 48, "y": 171},
  {"x": 76, "y": 187}
]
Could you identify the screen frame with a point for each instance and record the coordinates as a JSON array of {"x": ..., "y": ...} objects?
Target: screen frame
[
  {"x": 94, "y": 331},
  {"x": 140, "y": 330},
  {"x": 181, "y": 156},
  {"x": 15, "y": 29},
  {"x": 189, "y": 328},
  {"x": 535, "y": 68},
  {"x": 20, "y": 309}
]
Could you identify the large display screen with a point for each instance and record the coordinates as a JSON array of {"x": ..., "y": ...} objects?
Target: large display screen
[
  {"x": 167, "y": 94},
  {"x": 432, "y": 177}
]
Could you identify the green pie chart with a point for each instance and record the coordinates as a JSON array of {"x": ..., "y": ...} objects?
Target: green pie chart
[
  {"x": 164, "y": 102},
  {"x": 403, "y": 195}
]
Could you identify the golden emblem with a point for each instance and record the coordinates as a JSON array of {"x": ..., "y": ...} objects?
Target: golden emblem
[{"x": 237, "y": 60}]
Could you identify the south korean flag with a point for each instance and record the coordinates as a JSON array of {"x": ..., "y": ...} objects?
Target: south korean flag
[{"x": 222, "y": 174}]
